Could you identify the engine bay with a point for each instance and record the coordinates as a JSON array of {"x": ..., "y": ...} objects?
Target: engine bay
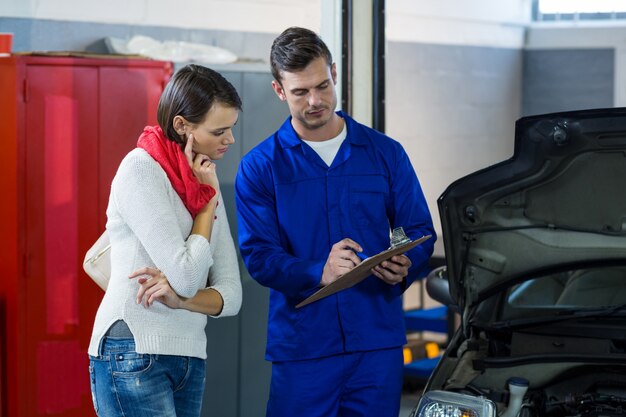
[{"x": 586, "y": 379}]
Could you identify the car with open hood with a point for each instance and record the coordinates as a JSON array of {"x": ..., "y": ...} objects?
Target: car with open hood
[{"x": 536, "y": 267}]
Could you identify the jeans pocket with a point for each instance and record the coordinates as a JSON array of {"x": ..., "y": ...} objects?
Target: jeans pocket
[
  {"x": 130, "y": 363},
  {"x": 92, "y": 379}
]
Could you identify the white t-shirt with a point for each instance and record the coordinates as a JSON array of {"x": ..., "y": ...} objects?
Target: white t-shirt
[{"x": 327, "y": 149}]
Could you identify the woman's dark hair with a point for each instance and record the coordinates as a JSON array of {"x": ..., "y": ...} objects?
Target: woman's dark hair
[
  {"x": 294, "y": 49},
  {"x": 190, "y": 93}
]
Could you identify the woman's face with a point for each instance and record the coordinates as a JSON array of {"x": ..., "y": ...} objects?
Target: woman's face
[{"x": 214, "y": 134}]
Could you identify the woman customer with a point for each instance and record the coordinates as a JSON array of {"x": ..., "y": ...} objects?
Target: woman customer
[{"x": 168, "y": 232}]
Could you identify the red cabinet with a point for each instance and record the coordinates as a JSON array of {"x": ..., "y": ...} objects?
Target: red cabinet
[{"x": 66, "y": 124}]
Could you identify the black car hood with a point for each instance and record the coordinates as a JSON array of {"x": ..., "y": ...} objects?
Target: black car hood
[{"x": 560, "y": 200}]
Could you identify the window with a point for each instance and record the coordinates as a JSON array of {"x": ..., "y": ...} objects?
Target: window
[
  {"x": 574, "y": 289},
  {"x": 572, "y": 10}
]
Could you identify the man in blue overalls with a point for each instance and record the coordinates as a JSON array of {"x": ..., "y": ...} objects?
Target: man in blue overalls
[{"x": 311, "y": 198}]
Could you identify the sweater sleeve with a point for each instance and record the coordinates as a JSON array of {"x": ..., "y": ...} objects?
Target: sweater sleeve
[
  {"x": 224, "y": 274},
  {"x": 142, "y": 194}
]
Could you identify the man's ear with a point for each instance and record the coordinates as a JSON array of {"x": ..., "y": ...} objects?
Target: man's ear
[
  {"x": 278, "y": 89},
  {"x": 333, "y": 73}
]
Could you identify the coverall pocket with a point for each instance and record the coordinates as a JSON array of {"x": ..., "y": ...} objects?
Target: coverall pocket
[{"x": 368, "y": 202}]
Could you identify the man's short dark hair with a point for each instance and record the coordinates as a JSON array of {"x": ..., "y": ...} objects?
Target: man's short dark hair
[
  {"x": 190, "y": 93},
  {"x": 294, "y": 49}
]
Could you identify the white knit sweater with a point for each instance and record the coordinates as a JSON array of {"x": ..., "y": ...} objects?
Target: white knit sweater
[{"x": 148, "y": 225}]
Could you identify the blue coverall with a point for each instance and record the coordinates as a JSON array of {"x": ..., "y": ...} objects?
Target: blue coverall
[{"x": 292, "y": 208}]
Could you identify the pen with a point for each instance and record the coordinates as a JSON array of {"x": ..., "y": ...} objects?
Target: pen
[{"x": 362, "y": 255}]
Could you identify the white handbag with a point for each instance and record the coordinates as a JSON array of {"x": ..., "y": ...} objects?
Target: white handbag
[{"x": 97, "y": 262}]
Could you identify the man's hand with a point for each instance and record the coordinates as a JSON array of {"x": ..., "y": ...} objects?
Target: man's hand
[
  {"x": 394, "y": 270},
  {"x": 341, "y": 259}
]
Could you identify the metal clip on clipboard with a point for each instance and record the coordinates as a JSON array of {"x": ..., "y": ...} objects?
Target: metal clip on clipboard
[{"x": 398, "y": 237}]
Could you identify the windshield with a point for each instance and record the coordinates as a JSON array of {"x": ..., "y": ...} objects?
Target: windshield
[{"x": 577, "y": 290}]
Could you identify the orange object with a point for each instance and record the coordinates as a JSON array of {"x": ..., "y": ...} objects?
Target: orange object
[
  {"x": 432, "y": 350},
  {"x": 408, "y": 355},
  {"x": 6, "y": 44}
]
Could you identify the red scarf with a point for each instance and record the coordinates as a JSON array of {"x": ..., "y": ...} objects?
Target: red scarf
[{"x": 173, "y": 161}]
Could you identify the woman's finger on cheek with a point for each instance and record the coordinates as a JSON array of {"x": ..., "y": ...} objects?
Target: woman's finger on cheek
[{"x": 189, "y": 149}]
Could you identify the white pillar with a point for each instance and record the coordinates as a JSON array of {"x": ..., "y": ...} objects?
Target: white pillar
[
  {"x": 362, "y": 61},
  {"x": 331, "y": 34}
]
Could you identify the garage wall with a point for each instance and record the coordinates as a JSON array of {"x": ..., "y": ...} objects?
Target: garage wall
[
  {"x": 454, "y": 83},
  {"x": 459, "y": 22},
  {"x": 64, "y": 35},
  {"x": 567, "y": 79},
  {"x": 453, "y": 108},
  {"x": 573, "y": 66},
  {"x": 265, "y": 16},
  {"x": 462, "y": 73},
  {"x": 245, "y": 27}
]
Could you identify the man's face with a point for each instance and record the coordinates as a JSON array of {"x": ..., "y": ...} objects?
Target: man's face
[{"x": 310, "y": 94}]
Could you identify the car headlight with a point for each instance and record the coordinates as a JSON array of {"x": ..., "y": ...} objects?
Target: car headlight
[{"x": 452, "y": 404}]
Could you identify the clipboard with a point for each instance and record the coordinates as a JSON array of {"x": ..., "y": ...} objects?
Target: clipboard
[{"x": 361, "y": 271}]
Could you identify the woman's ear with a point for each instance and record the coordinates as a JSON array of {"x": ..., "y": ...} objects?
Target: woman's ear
[{"x": 180, "y": 125}]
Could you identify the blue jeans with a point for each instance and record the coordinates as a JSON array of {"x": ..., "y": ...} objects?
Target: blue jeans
[{"x": 130, "y": 384}]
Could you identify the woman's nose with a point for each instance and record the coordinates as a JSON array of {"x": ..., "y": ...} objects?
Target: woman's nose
[{"x": 229, "y": 138}]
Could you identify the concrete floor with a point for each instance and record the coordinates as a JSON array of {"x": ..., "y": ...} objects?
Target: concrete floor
[{"x": 408, "y": 403}]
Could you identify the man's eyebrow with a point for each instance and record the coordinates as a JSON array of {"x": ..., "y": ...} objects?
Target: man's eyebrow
[
  {"x": 323, "y": 82},
  {"x": 293, "y": 91}
]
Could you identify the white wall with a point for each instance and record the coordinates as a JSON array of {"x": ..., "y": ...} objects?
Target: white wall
[
  {"x": 476, "y": 22},
  {"x": 459, "y": 22},
  {"x": 267, "y": 16}
]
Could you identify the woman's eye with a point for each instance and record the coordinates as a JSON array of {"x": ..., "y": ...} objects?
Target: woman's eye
[{"x": 218, "y": 133}]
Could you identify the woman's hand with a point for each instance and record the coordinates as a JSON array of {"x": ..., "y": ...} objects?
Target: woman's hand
[
  {"x": 155, "y": 287},
  {"x": 203, "y": 168}
]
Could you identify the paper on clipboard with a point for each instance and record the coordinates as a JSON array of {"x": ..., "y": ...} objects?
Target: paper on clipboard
[{"x": 361, "y": 271}]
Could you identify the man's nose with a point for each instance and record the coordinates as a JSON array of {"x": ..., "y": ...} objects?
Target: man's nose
[{"x": 314, "y": 98}]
